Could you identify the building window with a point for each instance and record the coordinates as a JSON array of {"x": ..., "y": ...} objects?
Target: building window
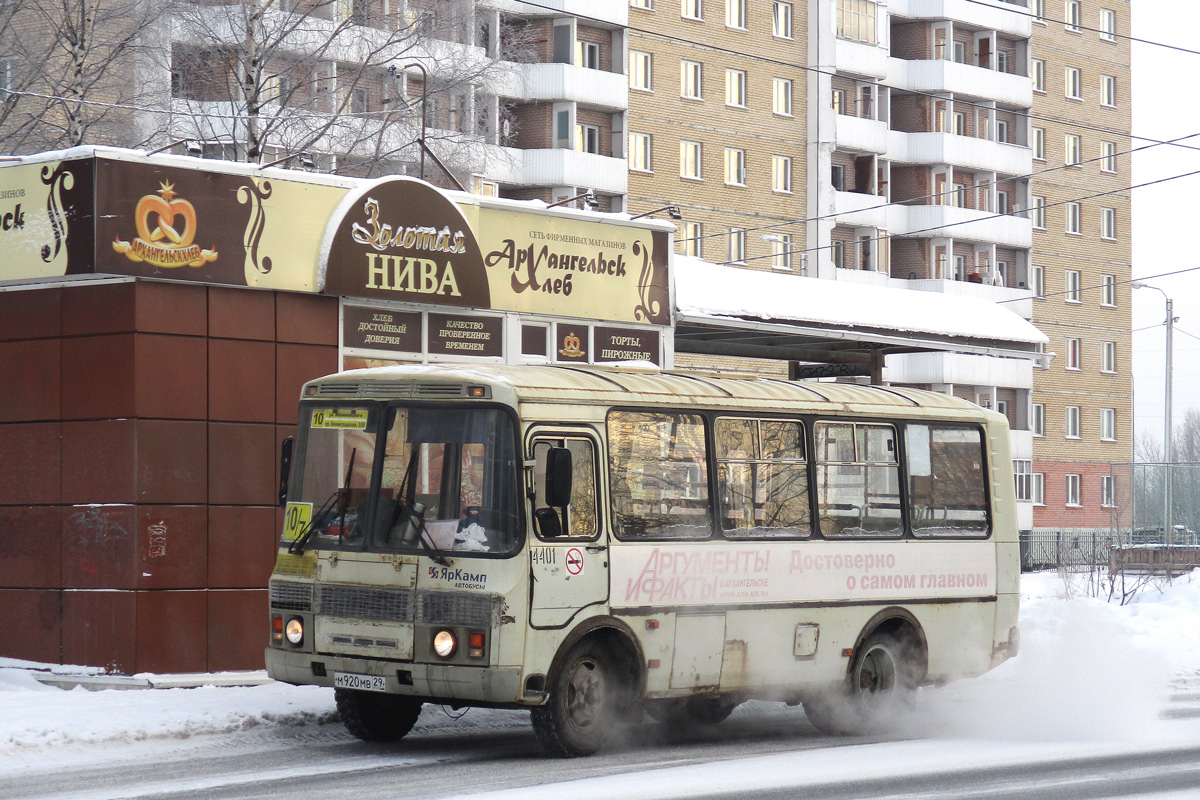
[
  {"x": 735, "y": 13},
  {"x": 1038, "y": 68},
  {"x": 1071, "y": 422},
  {"x": 960, "y": 123},
  {"x": 1002, "y": 61},
  {"x": 1074, "y": 354},
  {"x": 1072, "y": 149},
  {"x": 856, "y": 20},
  {"x": 1074, "y": 216},
  {"x": 639, "y": 152},
  {"x": 1108, "y": 356},
  {"x": 487, "y": 188},
  {"x": 1038, "y": 489},
  {"x": 1072, "y": 489},
  {"x": 837, "y": 254},
  {"x": 781, "y": 174},
  {"x": 1002, "y": 202},
  {"x": 1039, "y": 144},
  {"x": 1108, "y": 223},
  {"x": 1023, "y": 474},
  {"x": 1073, "y": 83},
  {"x": 781, "y": 96},
  {"x": 1039, "y": 280},
  {"x": 837, "y": 177},
  {"x": 587, "y": 139},
  {"x": 358, "y": 101},
  {"x": 1001, "y": 131},
  {"x": 1038, "y": 422},
  {"x": 587, "y": 55},
  {"x": 1108, "y": 424},
  {"x": 1071, "y": 286},
  {"x": 781, "y": 20},
  {"x": 1037, "y": 213},
  {"x": 1108, "y": 156},
  {"x": 1108, "y": 91},
  {"x": 693, "y": 9},
  {"x": 735, "y": 88},
  {"x": 690, "y": 244},
  {"x": 1108, "y": 494},
  {"x": 1072, "y": 16},
  {"x": 1038, "y": 7},
  {"x": 781, "y": 250},
  {"x": 689, "y": 79},
  {"x": 1108, "y": 25},
  {"x": 735, "y": 166},
  {"x": 646, "y": 4},
  {"x": 640, "y": 70},
  {"x": 1108, "y": 290},
  {"x": 737, "y": 245},
  {"x": 957, "y": 196},
  {"x": 839, "y": 101},
  {"x": 689, "y": 160}
]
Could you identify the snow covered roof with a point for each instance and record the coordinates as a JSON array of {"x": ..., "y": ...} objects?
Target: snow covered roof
[{"x": 716, "y": 295}]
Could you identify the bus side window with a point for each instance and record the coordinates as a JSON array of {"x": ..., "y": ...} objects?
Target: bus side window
[
  {"x": 946, "y": 492},
  {"x": 762, "y": 478},
  {"x": 858, "y": 480},
  {"x": 581, "y": 516}
]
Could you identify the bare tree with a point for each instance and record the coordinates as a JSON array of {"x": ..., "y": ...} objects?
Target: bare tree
[
  {"x": 344, "y": 80},
  {"x": 69, "y": 72}
]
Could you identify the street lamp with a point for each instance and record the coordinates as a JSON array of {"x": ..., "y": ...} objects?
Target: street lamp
[{"x": 1167, "y": 428}]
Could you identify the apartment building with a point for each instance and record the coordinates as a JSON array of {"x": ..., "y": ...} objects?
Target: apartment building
[
  {"x": 923, "y": 161},
  {"x": 1082, "y": 252}
]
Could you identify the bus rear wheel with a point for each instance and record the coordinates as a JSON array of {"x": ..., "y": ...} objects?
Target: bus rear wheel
[
  {"x": 881, "y": 680},
  {"x": 581, "y": 711},
  {"x": 376, "y": 717}
]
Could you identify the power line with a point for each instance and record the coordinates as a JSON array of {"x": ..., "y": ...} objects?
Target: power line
[{"x": 1072, "y": 26}]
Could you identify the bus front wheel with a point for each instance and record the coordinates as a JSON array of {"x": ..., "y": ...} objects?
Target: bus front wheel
[
  {"x": 580, "y": 713},
  {"x": 375, "y": 717}
]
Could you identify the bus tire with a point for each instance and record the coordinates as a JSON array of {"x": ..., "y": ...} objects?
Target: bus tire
[
  {"x": 376, "y": 717},
  {"x": 579, "y": 715},
  {"x": 881, "y": 680}
]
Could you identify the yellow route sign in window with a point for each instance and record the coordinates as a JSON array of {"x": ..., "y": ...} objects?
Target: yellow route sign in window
[
  {"x": 340, "y": 418},
  {"x": 295, "y": 519}
]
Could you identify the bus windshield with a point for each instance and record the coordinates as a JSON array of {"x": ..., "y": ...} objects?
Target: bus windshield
[{"x": 446, "y": 480}]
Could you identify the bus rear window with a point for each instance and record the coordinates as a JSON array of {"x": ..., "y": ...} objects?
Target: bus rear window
[{"x": 658, "y": 471}]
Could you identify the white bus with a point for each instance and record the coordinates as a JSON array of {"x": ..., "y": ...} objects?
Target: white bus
[{"x": 590, "y": 543}]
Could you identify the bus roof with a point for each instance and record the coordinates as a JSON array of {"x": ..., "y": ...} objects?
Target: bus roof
[{"x": 621, "y": 386}]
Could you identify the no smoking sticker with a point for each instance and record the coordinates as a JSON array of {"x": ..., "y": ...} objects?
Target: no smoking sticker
[{"x": 575, "y": 561}]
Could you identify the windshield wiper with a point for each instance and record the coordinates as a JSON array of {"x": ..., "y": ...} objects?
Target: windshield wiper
[
  {"x": 417, "y": 520},
  {"x": 341, "y": 496}
]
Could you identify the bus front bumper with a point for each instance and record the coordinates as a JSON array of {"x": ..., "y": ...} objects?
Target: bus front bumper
[{"x": 431, "y": 681}]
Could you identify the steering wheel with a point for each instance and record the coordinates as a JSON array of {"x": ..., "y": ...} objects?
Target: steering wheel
[{"x": 470, "y": 516}]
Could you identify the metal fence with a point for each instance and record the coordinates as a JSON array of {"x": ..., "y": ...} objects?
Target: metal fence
[{"x": 1067, "y": 548}]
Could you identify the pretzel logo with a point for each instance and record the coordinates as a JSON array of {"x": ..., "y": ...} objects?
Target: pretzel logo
[
  {"x": 571, "y": 347},
  {"x": 168, "y": 243}
]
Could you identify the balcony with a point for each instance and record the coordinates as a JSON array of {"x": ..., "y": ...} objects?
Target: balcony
[
  {"x": 616, "y": 14},
  {"x": 557, "y": 168},
  {"x": 967, "y": 152},
  {"x": 856, "y": 58},
  {"x": 965, "y": 224},
  {"x": 560, "y": 82},
  {"x": 996, "y": 15},
  {"x": 861, "y": 135},
  {"x": 864, "y": 210},
  {"x": 960, "y": 369},
  {"x": 940, "y": 76},
  {"x": 1019, "y": 301}
]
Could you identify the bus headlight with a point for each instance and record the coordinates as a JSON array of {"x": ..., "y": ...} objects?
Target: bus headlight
[
  {"x": 294, "y": 631},
  {"x": 444, "y": 643}
]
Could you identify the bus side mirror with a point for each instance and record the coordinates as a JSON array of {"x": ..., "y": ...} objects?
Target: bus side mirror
[
  {"x": 558, "y": 477},
  {"x": 285, "y": 468}
]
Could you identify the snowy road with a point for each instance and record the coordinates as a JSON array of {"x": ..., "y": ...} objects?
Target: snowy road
[
  {"x": 764, "y": 750},
  {"x": 1102, "y": 702}
]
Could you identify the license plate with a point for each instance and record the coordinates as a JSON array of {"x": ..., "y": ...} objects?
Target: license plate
[{"x": 363, "y": 683}]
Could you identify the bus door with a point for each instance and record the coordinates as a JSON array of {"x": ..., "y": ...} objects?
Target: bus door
[{"x": 568, "y": 554}]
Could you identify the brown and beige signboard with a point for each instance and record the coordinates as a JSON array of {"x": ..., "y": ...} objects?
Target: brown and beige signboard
[
  {"x": 46, "y": 219},
  {"x": 626, "y": 344},
  {"x": 458, "y": 335},
  {"x": 404, "y": 240}
]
